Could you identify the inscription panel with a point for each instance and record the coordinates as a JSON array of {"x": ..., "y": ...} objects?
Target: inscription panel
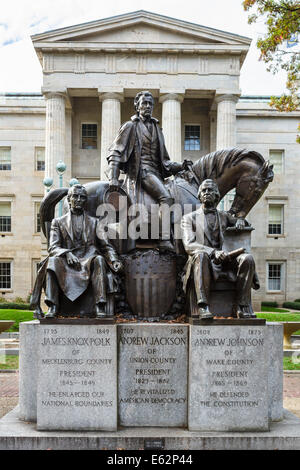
[
  {"x": 228, "y": 378},
  {"x": 152, "y": 374},
  {"x": 77, "y": 380}
]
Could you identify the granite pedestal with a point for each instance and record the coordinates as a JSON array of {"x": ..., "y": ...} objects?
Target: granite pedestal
[{"x": 149, "y": 374}]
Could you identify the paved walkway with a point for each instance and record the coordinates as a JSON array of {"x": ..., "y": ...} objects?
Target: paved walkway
[
  {"x": 9, "y": 392},
  {"x": 291, "y": 393}
]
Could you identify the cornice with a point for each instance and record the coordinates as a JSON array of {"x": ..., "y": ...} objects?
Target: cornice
[
  {"x": 43, "y": 48},
  {"x": 256, "y": 112},
  {"x": 62, "y": 47}
]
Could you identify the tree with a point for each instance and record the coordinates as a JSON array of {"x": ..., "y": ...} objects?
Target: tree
[{"x": 282, "y": 18}]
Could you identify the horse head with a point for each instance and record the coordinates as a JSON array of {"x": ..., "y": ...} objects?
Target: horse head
[
  {"x": 251, "y": 186},
  {"x": 242, "y": 169}
]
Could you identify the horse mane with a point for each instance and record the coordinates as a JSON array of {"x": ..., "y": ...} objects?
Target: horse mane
[{"x": 213, "y": 164}]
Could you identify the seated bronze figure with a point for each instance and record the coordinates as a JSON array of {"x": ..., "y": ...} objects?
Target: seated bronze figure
[
  {"x": 202, "y": 236},
  {"x": 80, "y": 258}
]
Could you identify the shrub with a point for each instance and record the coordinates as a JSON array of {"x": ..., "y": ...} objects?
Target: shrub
[
  {"x": 293, "y": 305},
  {"x": 269, "y": 304},
  {"x": 19, "y": 300},
  {"x": 297, "y": 300},
  {"x": 14, "y": 306}
]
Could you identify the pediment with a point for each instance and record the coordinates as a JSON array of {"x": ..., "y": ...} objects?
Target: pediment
[
  {"x": 140, "y": 27},
  {"x": 142, "y": 33}
]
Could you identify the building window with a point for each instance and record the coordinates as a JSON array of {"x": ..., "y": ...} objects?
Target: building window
[
  {"x": 276, "y": 158},
  {"x": 37, "y": 206},
  {"x": 5, "y": 217},
  {"x": 275, "y": 276},
  {"x": 5, "y": 275},
  {"x": 40, "y": 158},
  {"x": 5, "y": 158},
  {"x": 191, "y": 137},
  {"x": 89, "y": 136},
  {"x": 275, "y": 219}
]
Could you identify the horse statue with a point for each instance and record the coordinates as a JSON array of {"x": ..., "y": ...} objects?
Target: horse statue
[{"x": 245, "y": 170}]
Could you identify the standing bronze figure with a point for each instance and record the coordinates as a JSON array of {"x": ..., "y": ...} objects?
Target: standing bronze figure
[
  {"x": 139, "y": 151},
  {"x": 202, "y": 236}
]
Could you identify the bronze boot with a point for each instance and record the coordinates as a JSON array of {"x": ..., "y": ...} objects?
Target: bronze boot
[
  {"x": 204, "y": 312},
  {"x": 100, "y": 310}
]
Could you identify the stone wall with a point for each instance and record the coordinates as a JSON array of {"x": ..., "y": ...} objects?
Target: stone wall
[
  {"x": 262, "y": 130},
  {"x": 22, "y": 127}
]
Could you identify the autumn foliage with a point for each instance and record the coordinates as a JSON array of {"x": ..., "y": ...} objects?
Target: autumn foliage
[{"x": 282, "y": 18}]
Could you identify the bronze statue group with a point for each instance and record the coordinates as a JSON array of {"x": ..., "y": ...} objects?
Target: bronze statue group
[{"x": 83, "y": 261}]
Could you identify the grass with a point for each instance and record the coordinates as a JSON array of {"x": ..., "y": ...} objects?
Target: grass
[
  {"x": 9, "y": 362},
  {"x": 289, "y": 365},
  {"x": 280, "y": 317},
  {"x": 274, "y": 309},
  {"x": 17, "y": 315}
]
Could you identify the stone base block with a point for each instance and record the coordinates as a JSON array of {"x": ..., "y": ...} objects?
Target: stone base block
[
  {"x": 275, "y": 370},
  {"x": 77, "y": 377},
  {"x": 18, "y": 435},
  {"x": 228, "y": 378},
  {"x": 152, "y": 374},
  {"x": 28, "y": 369}
]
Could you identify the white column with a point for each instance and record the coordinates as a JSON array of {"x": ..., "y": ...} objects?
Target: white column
[
  {"x": 55, "y": 134},
  {"x": 171, "y": 124},
  {"x": 110, "y": 124},
  {"x": 213, "y": 130},
  {"x": 68, "y": 155},
  {"x": 226, "y": 120}
]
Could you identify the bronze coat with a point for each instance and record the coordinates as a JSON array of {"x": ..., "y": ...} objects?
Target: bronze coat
[
  {"x": 194, "y": 228},
  {"x": 74, "y": 282},
  {"x": 126, "y": 151}
]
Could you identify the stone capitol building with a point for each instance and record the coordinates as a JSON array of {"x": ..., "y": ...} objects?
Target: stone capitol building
[{"x": 91, "y": 73}]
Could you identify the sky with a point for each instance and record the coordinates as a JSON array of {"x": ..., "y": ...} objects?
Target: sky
[{"x": 19, "y": 19}]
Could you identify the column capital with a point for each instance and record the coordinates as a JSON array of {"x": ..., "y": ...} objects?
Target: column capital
[
  {"x": 171, "y": 96},
  {"x": 110, "y": 95},
  {"x": 234, "y": 97},
  {"x": 52, "y": 93}
]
